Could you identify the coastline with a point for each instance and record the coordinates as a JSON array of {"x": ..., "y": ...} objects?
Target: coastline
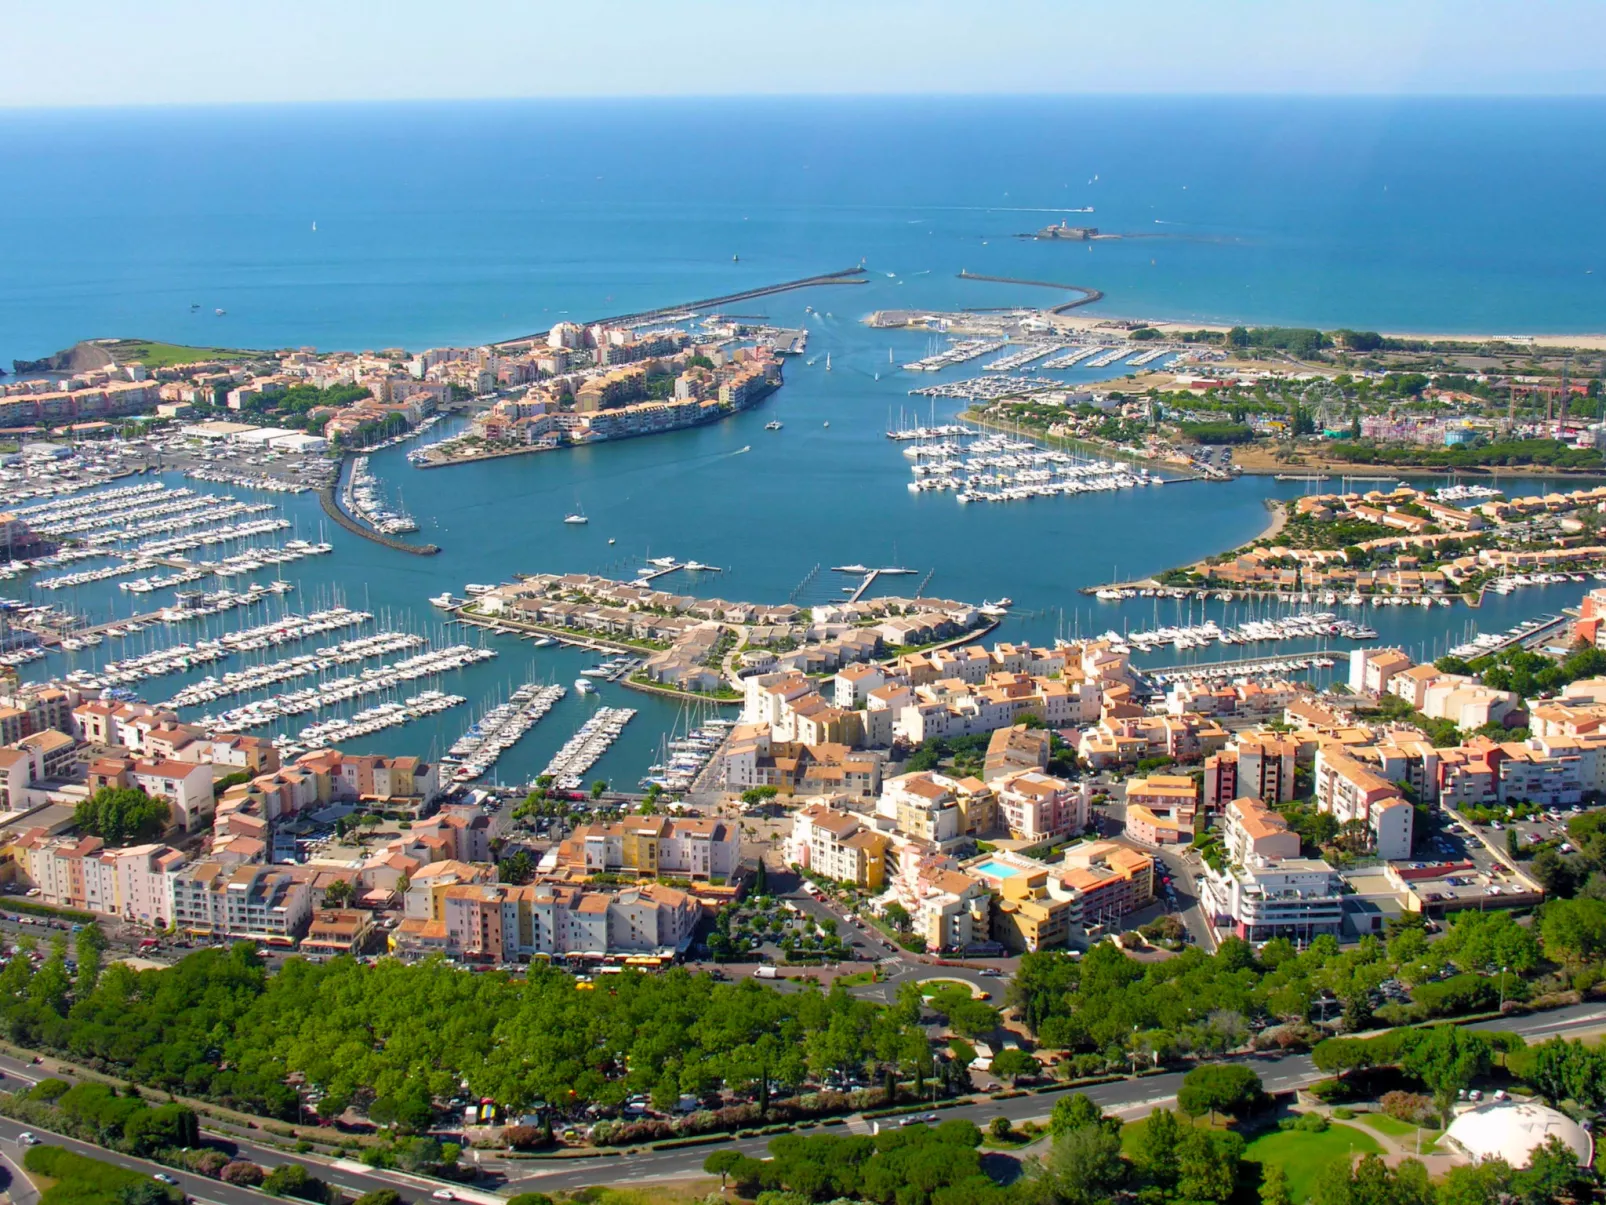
[{"x": 1589, "y": 341}]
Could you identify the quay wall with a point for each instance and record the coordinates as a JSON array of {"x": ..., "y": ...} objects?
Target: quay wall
[{"x": 326, "y": 499}]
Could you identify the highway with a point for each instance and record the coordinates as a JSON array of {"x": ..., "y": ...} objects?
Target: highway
[{"x": 1128, "y": 1097}]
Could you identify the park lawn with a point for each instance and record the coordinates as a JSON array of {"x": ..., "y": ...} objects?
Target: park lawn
[
  {"x": 163, "y": 355},
  {"x": 857, "y": 979},
  {"x": 1404, "y": 1131},
  {"x": 1303, "y": 1154}
]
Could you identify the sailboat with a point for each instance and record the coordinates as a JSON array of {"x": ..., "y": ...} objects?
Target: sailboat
[
  {"x": 315, "y": 228},
  {"x": 578, "y": 515},
  {"x": 827, "y": 361}
]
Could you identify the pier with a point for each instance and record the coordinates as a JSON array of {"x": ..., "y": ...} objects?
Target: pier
[
  {"x": 658, "y": 571},
  {"x": 847, "y": 276},
  {"x": 1088, "y": 295},
  {"x": 331, "y": 507},
  {"x": 869, "y": 580},
  {"x": 1164, "y": 675}
]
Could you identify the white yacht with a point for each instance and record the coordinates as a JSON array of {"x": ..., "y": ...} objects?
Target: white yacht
[{"x": 584, "y": 686}]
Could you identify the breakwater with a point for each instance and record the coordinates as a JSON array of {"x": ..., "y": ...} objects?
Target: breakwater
[
  {"x": 847, "y": 276},
  {"x": 326, "y": 499},
  {"x": 1088, "y": 294}
]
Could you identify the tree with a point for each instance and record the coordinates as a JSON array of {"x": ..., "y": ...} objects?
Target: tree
[
  {"x": 143, "y": 1192},
  {"x": 122, "y": 816},
  {"x": 1446, "y": 1059},
  {"x": 518, "y": 868},
  {"x": 1552, "y": 1173},
  {"x": 1077, "y": 1111},
  {"x": 242, "y": 1171},
  {"x": 288, "y": 1180},
  {"x": 380, "y": 1196},
  {"x": 1084, "y": 1167},
  {"x": 1274, "y": 1188},
  {"x": 151, "y": 1130},
  {"x": 722, "y": 1163},
  {"x": 1158, "y": 1147},
  {"x": 1477, "y": 1184},
  {"x": 1219, "y": 1088},
  {"x": 598, "y": 787},
  {"x": 339, "y": 893},
  {"x": 91, "y": 944},
  {"x": 1014, "y": 1064},
  {"x": 1574, "y": 930},
  {"x": 529, "y": 1198},
  {"x": 1208, "y": 1165}
]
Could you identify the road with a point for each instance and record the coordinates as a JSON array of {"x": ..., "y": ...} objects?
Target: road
[{"x": 1129, "y": 1097}]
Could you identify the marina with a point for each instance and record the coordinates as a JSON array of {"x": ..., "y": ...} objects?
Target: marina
[
  {"x": 959, "y": 353},
  {"x": 182, "y": 658},
  {"x": 477, "y": 750},
  {"x": 323, "y": 660},
  {"x": 363, "y": 499},
  {"x": 682, "y": 759},
  {"x": 996, "y": 468},
  {"x": 583, "y": 750},
  {"x": 369, "y": 682},
  {"x": 1222, "y": 671}
]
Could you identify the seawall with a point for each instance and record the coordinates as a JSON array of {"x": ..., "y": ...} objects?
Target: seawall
[
  {"x": 326, "y": 499},
  {"x": 847, "y": 276}
]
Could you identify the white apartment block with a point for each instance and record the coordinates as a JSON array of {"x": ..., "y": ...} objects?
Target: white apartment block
[{"x": 1297, "y": 898}]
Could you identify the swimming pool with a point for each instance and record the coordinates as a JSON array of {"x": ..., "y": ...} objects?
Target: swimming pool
[{"x": 997, "y": 870}]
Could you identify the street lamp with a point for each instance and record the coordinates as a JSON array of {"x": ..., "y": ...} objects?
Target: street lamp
[{"x": 1502, "y": 989}]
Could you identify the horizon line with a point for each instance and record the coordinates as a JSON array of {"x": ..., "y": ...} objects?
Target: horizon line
[{"x": 672, "y": 97}]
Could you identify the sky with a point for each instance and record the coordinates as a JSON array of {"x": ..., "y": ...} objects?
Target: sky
[{"x": 114, "y": 52}]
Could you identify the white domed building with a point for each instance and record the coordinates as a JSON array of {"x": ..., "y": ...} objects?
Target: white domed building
[{"x": 1512, "y": 1130}]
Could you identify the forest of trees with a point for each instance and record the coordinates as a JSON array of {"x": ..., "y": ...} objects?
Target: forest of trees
[{"x": 398, "y": 1039}]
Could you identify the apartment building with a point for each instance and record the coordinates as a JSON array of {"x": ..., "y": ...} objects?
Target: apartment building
[
  {"x": 1372, "y": 669},
  {"x": 1035, "y": 806},
  {"x": 753, "y": 758},
  {"x": 186, "y": 786},
  {"x": 1161, "y": 809},
  {"x": 504, "y": 923},
  {"x": 1548, "y": 770},
  {"x": 950, "y": 910},
  {"x": 938, "y": 809},
  {"x": 654, "y": 845},
  {"x": 839, "y": 845},
  {"x": 1296, "y": 898},
  {"x": 1252, "y": 830},
  {"x": 1353, "y": 792},
  {"x": 1109, "y": 878},
  {"x": 426, "y": 886},
  {"x": 267, "y": 903},
  {"x": 1016, "y": 748}
]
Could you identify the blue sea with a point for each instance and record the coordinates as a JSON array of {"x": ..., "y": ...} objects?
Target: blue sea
[{"x": 458, "y": 224}]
